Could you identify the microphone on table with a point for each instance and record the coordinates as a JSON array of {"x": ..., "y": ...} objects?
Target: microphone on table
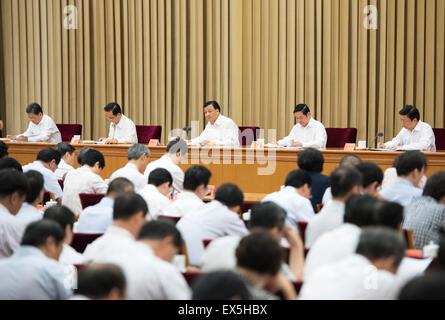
[{"x": 378, "y": 135}]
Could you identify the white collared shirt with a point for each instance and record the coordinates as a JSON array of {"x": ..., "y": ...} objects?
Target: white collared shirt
[
  {"x": 51, "y": 183},
  {"x": 150, "y": 278},
  {"x": 156, "y": 201},
  {"x": 28, "y": 213},
  {"x": 213, "y": 221},
  {"x": 81, "y": 180},
  {"x": 62, "y": 169},
  {"x": 224, "y": 132},
  {"x": 97, "y": 218},
  {"x": 69, "y": 256},
  {"x": 131, "y": 172},
  {"x": 421, "y": 138},
  {"x": 330, "y": 217},
  {"x": 45, "y": 131},
  {"x": 185, "y": 203},
  {"x": 401, "y": 191},
  {"x": 11, "y": 232},
  {"x": 124, "y": 131},
  {"x": 167, "y": 163},
  {"x": 114, "y": 241},
  {"x": 313, "y": 135},
  {"x": 298, "y": 208},
  {"x": 349, "y": 279}
]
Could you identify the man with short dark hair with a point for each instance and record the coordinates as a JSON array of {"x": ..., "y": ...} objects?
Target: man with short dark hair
[
  {"x": 32, "y": 272},
  {"x": 66, "y": 152},
  {"x": 41, "y": 127},
  {"x": 410, "y": 166},
  {"x": 97, "y": 218},
  {"x": 307, "y": 131},
  {"x": 176, "y": 151},
  {"x": 47, "y": 163},
  {"x": 157, "y": 191},
  {"x": 28, "y": 212},
  {"x": 221, "y": 285},
  {"x": 216, "y": 219},
  {"x": 294, "y": 197},
  {"x": 122, "y": 129},
  {"x": 430, "y": 286},
  {"x": 415, "y": 134},
  {"x": 219, "y": 131},
  {"x": 10, "y": 163},
  {"x": 138, "y": 159},
  {"x": 85, "y": 179}
]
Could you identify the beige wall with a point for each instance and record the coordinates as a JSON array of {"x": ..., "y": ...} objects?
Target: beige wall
[{"x": 161, "y": 59}]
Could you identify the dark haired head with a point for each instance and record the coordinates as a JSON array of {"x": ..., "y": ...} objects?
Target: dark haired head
[
  {"x": 311, "y": 160},
  {"x": 267, "y": 215},
  {"x": 230, "y": 195},
  {"x": 435, "y": 187},
  {"x": 344, "y": 180},
  {"x": 389, "y": 214},
  {"x": 91, "y": 156},
  {"x": 114, "y": 108},
  {"x": 127, "y": 205},
  {"x": 120, "y": 186},
  {"x": 411, "y": 112},
  {"x": 360, "y": 210},
  {"x": 409, "y": 161},
  {"x": 298, "y": 178},
  {"x": 158, "y": 230},
  {"x": 60, "y": 214},
  {"x": 370, "y": 173},
  {"x": 430, "y": 286},
  {"x": 64, "y": 148},
  {"x": 13, "y": 181},
  {"x": 37, "y": 233},
  {"x": 47, "y": 155},
  {"x": 159, "y": 176},
  {"x": 35, "y": 183},
  {"x": 214, "y": 104},
  {"x": 303, "y": 108},
  {"x": 10, "y": 163},
  {"x": 196, "y": 176},
  {"x": 220, "y": 285},
  {"x": 34, "y": 108}
]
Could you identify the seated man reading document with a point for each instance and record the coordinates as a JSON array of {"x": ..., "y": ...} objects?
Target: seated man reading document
[{"x": 122, "y": 129}]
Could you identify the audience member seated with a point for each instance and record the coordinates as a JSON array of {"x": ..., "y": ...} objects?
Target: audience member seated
[
  {"x": 390, "y": 175},
  {"x": 294, "y": 197},
  {"x": 410, "y": 166},
  {"x": 147, "y": 265},
  {"x": 65, "y": 218},
  {"x": 66, "y": 152},
  {"x": 3, "y": 150},
  {"x": 10, "y": 163},
  {"x": 129, "y": 211},
  {"x": 28, "y": 212},
  {"x": 312, "y": 161},
  {"x": 46, "y": 163},
  {"x": 378, "y": 255},
  {"x": 138, "y": 159},
  {"x": 220, "y": 253},
  {"x": 176, "y": 151},
  {"x": 156, "y": 192},
  {"x": 101, "y": 282},
  {"x": 32, "y": 272},
  {"x": 97, "y": 218},
  {"x": 221, "y": 285},
  {"x": 216, "y": 219},
  {"x": 427, "y": 287},
  {"x": 345, "y": 182},
  {"x": 425, "y": 215},
  {"x": 85, "y": 179},
  {"x": 196, "y": 181},
  {"x": 13, "y": 190}
]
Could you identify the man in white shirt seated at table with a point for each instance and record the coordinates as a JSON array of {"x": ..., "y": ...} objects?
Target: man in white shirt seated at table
[
  {"x": 138, "y": 159},
  {"x": 219, "y": 131},
  {"x": 33, "y": 272},
  {"x": 66, "y": 152},
  {"x": 410, "y": 167},
  {"x": 97, "y": 218},
  {"x": 345, "y": 182},
  {"x": 196, "y": 181},
  {"x": 367, "y": 274},
  {"x": 307, "y": 133},
  {"x": 65, "y": 218},
  {"x": 129, "y": 211},
  {"x": 176, "y": 151},
  {"x": 28, "y": 212},
  {"x": 85, "y": 179},
  {"x": 148, "y": 265},
  {"x": 216, "y": 219},
  {"x": 41, "y": 127},
  {"x": 157, "y": 191},
  {"x": 294, "y": 197},
  {"x": 122, "y": 129},
  {"x": 47, "y": 163},
  {"x": 13, "y": 189},
  {"x": 415, "y": 134}
]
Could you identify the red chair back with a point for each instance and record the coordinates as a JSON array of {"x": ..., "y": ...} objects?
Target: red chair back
[
  {"x": 247, "y": 135},
  {"x": 145, "y": 133},
  {"x": 191, "y": 276},
  {"x": 439, "y": 133},
  {"x": 206, "y": 242},
  {"x": 69, "y": 130},
  {"x": 90, "y": 199},
  {"x": 82, "y": 240},
  {"x": 338, "y": 137},
  {"x": 174, "y": 220}
]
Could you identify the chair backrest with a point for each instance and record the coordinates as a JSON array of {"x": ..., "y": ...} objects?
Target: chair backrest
[
  {"x": 338, "y": 137},
  {"x": 439, "y": 133},
  {"x": 82, "y": 240},
  {"x": 174, "y": 220},
  {"x": 145, "y": 133},
  {"x": 68, "y": 131},
  {"x": 302, "y": 229},
  {"x": 60, "y": 183},
  {"x": 206, "y": 242},
  {"x": 90, "y": 199},
  {"x": 247, "y": 135}
]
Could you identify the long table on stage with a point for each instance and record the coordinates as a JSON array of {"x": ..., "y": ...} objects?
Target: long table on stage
[{"x": 254, "y": 170}]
